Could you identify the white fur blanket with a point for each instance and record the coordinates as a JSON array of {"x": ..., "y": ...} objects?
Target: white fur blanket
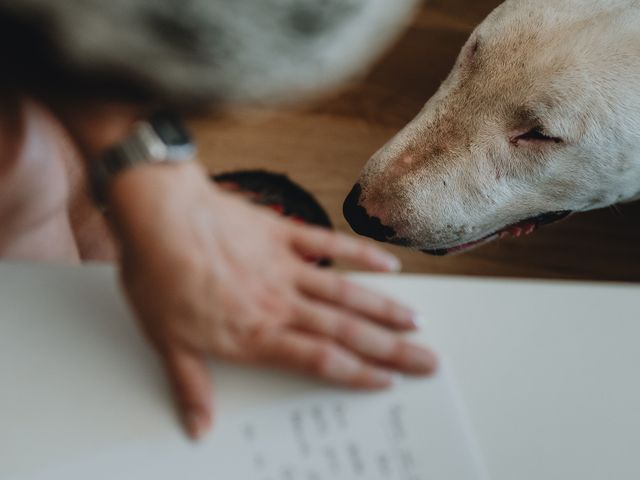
[{"x": 229, "y": 50}]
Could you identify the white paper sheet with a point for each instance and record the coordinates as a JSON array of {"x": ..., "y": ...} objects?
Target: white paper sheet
[
  {"x": 412, "y": 433},
  {"x": 84, "y": 399}
]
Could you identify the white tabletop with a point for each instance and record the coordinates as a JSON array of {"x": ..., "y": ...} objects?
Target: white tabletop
[{"x": 547, "y": 370}]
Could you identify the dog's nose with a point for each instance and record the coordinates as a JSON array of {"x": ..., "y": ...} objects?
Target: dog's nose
[{"x": 360, "y": 220}]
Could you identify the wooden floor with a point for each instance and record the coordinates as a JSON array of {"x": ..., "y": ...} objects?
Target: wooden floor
[{"x": 323, "y": 146}]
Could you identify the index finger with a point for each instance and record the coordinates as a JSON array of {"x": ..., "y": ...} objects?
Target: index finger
[{"x": 321, "y": 243}]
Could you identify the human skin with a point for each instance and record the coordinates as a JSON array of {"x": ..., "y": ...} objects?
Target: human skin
[
  {"x": 34, "y": 187},
  {"x": 210, "y": 276}
]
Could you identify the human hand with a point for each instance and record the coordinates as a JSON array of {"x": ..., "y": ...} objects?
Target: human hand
[{"x": 212, "y": 276}]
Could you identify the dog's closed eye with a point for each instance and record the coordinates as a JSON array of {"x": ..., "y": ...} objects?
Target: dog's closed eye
[{"x": 535, "y": 135}]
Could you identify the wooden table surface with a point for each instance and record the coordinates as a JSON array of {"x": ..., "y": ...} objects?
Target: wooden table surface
[{"x": 324, "y": 145}]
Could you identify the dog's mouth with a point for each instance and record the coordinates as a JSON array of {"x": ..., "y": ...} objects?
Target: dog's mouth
[{"x": 524, "y": 227}]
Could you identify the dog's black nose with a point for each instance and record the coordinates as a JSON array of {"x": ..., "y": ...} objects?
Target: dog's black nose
[{"x": 360, "y": 220}]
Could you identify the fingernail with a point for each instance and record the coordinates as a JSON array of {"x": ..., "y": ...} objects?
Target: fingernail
[
  {"x": 394, "y": 264},
  {"x": 417, "y": 321},
  {"x": 382, "y": 378},
  {"x": 197, "y": 424},
  {"x": 422, "y": 360},
  {"x": 390, "y": 262}
]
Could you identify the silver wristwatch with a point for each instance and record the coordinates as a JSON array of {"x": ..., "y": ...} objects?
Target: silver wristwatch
[{"x": 161, "y": 139}]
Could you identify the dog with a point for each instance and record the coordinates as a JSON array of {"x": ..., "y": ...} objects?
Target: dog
[{"x": 539, "y": 119}]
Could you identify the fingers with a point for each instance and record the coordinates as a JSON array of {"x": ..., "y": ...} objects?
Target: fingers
[
  {"x": 191, "y": 384},
  {"x": 321, "y": 243},
  {"x": 324, "y": 359},
  {"x": 337, "y": 290},
  {"x": 365, "y": 339}
]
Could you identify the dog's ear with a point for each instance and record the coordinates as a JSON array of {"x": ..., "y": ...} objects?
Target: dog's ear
[{"x": 215, "y": 50}]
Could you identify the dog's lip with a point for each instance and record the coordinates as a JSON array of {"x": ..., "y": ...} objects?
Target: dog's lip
[{"x": 523, "y": 227}]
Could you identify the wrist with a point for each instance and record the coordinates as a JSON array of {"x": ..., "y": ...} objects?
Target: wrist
[
  {"x": 152, "y": 182},
  {"x": 161, "y": 140}
]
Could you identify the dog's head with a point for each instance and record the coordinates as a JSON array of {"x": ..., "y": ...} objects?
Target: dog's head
[{"x": 539, "y": 118}]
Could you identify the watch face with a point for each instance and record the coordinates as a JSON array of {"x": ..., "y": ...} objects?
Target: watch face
[{"x": 170, "y": 129}]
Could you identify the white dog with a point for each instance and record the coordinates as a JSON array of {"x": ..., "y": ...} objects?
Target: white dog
[{"x": 539, "y": 118}]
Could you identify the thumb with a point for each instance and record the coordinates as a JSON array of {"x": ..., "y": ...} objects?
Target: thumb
[{"x": 192, "y": 388}]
